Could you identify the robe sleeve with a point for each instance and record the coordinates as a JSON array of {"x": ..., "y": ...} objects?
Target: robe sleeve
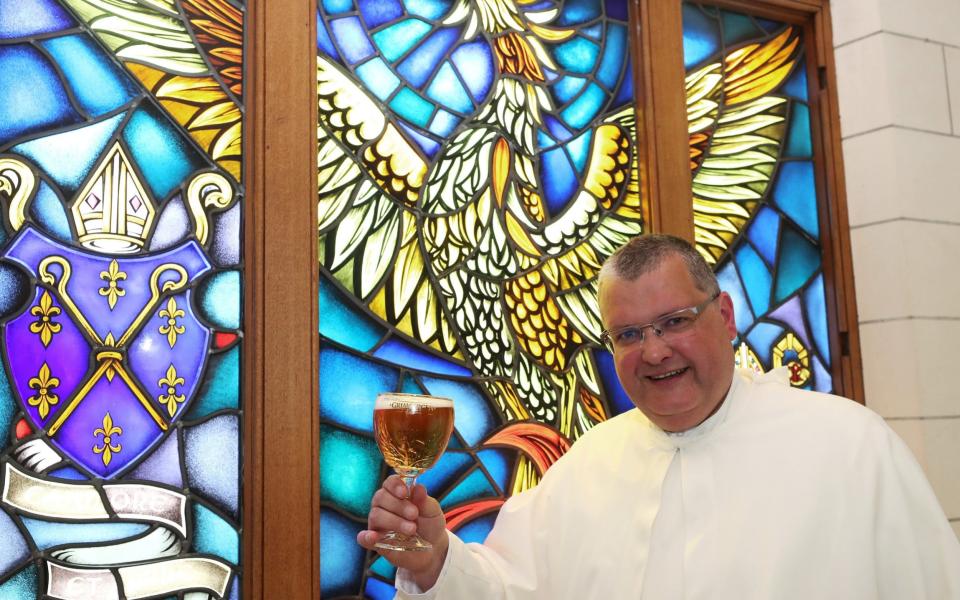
[
  {"x": 510, "y": 564},
  {"x": 917, "y": 552}
]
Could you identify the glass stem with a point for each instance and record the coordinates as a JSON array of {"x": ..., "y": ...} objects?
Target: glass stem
[{"x": 409, "y": 480}]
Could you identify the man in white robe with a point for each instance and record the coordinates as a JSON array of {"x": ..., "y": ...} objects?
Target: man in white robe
[{"x": 722, "y": 485}]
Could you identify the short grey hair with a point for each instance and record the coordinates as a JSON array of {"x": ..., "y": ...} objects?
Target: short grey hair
[{"x": 645, "y": 253}]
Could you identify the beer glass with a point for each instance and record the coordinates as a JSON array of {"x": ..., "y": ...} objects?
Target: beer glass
[{"x": 412, "y": 432}]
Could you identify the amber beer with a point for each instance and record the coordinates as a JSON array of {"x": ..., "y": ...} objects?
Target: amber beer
[{"x": 412, "y": 431}]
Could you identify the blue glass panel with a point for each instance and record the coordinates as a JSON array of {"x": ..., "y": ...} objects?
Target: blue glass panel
[
  {"x": 544, "y": 140},
  {"x": 396, "y": 40},
  {"x": 423, "y": 61},
  {"x": 377, "y": 12},
  {"x": 70, "y": 473},
  {"x": 21, "y": 586},
  {"x": 22, "y": 18},
  {"x": 379, "y": 590},
  {"x": 729, "y": 282},
  {"x": 473, "y": 487},
  {"x": 582, "y": 111},
  {"x": 383, "y": 568},
  {"x": 764, "y": 232},
  {"x": 337, "y": 6},
  {"x": 472, "y": 414},
  {"x": 349, "y": 470},
  {"x": 32, "y": 97},
  {"x": 212, "y": 460},
  {"x": 324, "y": 43},
  {"x": 349, "y": 386},
  {"x": 156, "y": 146},
  {"x": 476, "y": 531},
  {"x": 618, "y": 399},
  {"x": 235, "y": 589},
  {"x": 342, "y": 566},
  {"x": 446, "y": 89},
  {"x": 163, "y": 464},
  {"x": 756, "y": 276},
  {"x": 594, "y": 32},
  {"x": 410, "y": 386},
  {"x": 799, "y": 261},
  {"x": 556, "y": 128},
  {"x": 823, "y": 382},
  {"x": 352, "y": 40},
  {"x": 173, "y": 225},
  {"x": 738, "y": 28},
  {"x": 344, "y": 324},
  {"x": 769, "y": 25},
  {"x": 762, "y": 338},
  {"x": 579, "y": 150},
  {"x": 409, "y": 105},
  {"x": 378, "y": 78},
  {"x": 617, "y": 9},
  {"x": 578, "y": 55},
  {"x": 791, "y": 314},
  {"x": 474, "y": 61},
  {"x": 225, "y": 247},
  {"x": 98, "y": 83},
  {"x": 70, "y": 156},
  {"x": 219, "y": 390},
  {"x": 430, "y": 9},
  {"x": 218, "y": 297},
  {"x": 448, "y": 469},
  {"x": 625, "y": 93},
  {"x": 814, "y": 300},
  {"x": 798, "y": 140},
  {"x": 429, "y": 146},
  {"x": 568, "y": 87},
  {"x": 15, "y": 548},
  {"x": 559, "y": 179},
  {"x": 614, "y": 54},
  {"x": 443, "y": 123},
  {"x": 701, "y": 39},
  {"x": 796, "y": 86},
  {"x": 47, "y": 534},
  {"x": 212, "y": 534},
  {"x": 550, "y": 75},
  {"x": 49, "y": 212},
  {"x": 399, "y": 352},
  {"x": 575, "y": 12},
  {"x": 499, "y": 465}
]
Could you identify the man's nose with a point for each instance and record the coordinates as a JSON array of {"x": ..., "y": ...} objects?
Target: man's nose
[{"x": 654, "y": 349}]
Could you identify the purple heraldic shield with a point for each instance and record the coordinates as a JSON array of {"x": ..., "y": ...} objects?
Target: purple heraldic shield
[{"x": 109, "y": 353}]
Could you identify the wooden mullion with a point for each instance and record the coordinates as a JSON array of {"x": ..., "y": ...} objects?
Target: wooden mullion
[
  {"x": 662, "y": 118},
  {"x": 281, "y": 520}
]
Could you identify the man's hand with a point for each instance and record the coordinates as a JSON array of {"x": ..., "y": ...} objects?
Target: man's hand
[{"x": 391, "y": 510}]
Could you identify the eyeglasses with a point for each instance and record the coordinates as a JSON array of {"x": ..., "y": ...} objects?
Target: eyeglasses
[{"x": 666, "y": 327}]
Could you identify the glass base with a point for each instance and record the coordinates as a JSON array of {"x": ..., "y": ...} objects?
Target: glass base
[{"x": 394, "y": 540}]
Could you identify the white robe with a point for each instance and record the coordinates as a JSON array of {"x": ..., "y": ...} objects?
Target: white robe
[{"x": 781, "y": 494}]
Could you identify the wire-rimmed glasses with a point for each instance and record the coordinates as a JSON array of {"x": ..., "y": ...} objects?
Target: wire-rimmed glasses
[{"x": 668, "y": 326}]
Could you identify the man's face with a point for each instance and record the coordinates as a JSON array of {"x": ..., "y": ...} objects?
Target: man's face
[{"x": 676, "y": 384}]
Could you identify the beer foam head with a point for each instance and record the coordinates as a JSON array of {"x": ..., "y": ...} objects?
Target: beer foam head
[{"x": 396, "y": 400}]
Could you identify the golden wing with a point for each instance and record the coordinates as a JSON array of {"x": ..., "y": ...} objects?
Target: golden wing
[
  {"x": 197, "y": 80},
  {"x": 736, "y": 131},
  {"x": 370, "y": 180}
]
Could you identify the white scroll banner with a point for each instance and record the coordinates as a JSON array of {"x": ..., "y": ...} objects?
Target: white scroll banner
[
  {"x": 160, "y": 570},
  {"x": 79, "y": 501},
  {"x": 140, "y": 581}
]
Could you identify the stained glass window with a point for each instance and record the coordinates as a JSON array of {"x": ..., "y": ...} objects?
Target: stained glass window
[
  {"x": 477, "y": 162},
  {"x": 754, "y": 186},
  {"x": 120, "y": 298}
]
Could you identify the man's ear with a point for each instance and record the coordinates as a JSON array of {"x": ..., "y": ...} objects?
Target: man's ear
[{"x": 726, "y": 313}]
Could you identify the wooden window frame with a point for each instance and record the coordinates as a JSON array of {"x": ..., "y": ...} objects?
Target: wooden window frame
[{"x": 281, "y": 543}]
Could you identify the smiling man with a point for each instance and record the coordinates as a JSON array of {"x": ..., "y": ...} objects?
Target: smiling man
[{"x": 721, "y": 485}]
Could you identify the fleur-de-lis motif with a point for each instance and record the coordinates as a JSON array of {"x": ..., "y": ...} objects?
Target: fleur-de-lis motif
[
  {"x": 44, "y": 384},
  {"x": 170, "y": 383},
  {"x": 113, "y": 275},
  {"x": 171, "y": 329},
  {"x": 45, "y": 311},
  {"x": 106, "y": 446}
]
